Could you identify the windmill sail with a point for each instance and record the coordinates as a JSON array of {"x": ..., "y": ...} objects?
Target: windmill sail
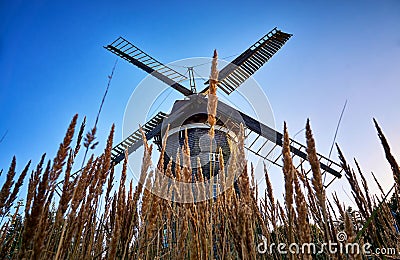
[
  {"x": 139, "y": 58},
  {"x": 131, "y": 143},
  {"x": 246, "y": 64},
  {"x": 264, "y": 134},
  {"x": 134, "y": 141}
]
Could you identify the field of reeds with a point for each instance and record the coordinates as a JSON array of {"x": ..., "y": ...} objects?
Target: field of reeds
[{"x": 89, "y": 218}]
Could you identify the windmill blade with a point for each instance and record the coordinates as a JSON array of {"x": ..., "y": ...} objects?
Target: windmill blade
[
  {"x": 246, "y": 64},
  {"x": 139, "y": 58},
  {"x": 262, "y": 135},
  {"x": 134, "y": 141}
]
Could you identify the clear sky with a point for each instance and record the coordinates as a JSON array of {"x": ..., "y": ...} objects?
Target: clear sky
[{"x": 53, "y": 65}]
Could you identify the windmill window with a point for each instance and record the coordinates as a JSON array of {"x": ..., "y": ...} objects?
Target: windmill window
[
  {"x": 165, "y": 238},
  {"x": 215, "y": 186},
  {"x": 213, "y": 157}
]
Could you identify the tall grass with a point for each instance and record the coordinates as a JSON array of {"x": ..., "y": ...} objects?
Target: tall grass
[{"x": 94, "y": 220}]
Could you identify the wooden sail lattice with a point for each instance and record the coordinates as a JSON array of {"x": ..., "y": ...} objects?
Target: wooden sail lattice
[
  {"x": 245, "y": 65},
  {"x": 134, "y": 141},
  {"x": 139, "y": 58}
]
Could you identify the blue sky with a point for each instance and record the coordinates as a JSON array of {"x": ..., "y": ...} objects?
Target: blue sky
[{"x": 53, "y": 65}]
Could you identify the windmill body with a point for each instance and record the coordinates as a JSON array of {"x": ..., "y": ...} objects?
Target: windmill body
[{"x": 191, "y": 119}]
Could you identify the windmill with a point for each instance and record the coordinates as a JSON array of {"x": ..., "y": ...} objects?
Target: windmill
[{"x": 190, "y": 113}]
